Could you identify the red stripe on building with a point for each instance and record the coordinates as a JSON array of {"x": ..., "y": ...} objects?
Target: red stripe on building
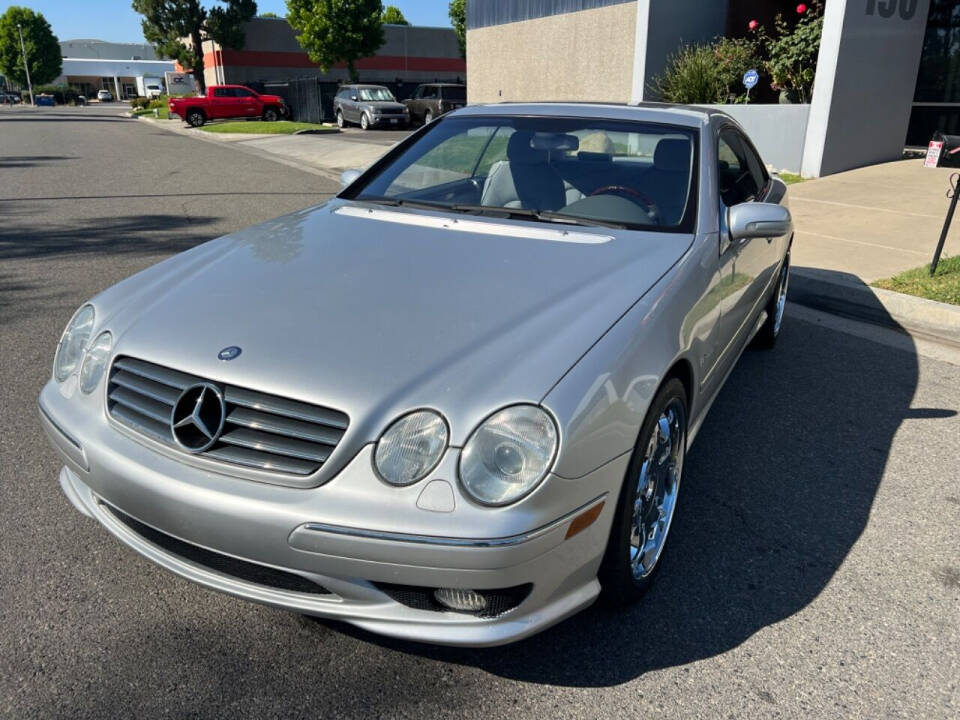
[{"x": 262, "y": 58}]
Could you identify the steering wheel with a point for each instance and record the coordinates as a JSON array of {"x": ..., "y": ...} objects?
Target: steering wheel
[{"x": 633, "y": 195}]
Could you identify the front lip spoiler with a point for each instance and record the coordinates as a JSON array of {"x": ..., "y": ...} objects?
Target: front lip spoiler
[{"x": 435, "y": 540}]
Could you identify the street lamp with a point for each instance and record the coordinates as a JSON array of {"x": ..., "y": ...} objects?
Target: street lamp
[{"x": 26, "y": 67}]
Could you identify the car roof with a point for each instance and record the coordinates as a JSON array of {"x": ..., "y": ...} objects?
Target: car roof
[
  {"x": 444, "y": 84},
  {"x": 688, "y": 115},
  {"x": 363, "y": 85}
]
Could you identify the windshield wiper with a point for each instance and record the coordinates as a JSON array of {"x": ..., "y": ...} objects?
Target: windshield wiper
[
  {"x": 541, "y": 215},
  {"x": 502, "y": 212}
]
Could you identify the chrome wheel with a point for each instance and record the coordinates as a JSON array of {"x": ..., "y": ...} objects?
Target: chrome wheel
[
  {"x": 340, "y": 122},
  {"x": 364, "y": 122},
  {"x": 658, "y": 484},
  {"x": 781, "y": 296}
]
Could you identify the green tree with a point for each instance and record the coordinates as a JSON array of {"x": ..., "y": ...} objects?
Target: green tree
[
  {"x": 269, "y": 16},
  {"x": 458, "y": 18},
  {"x": 333, "y": 31},
  {"x": 393, "y": 16},
  {"x": 43, "y": 49},
  {"x": 177, "y": 28}
]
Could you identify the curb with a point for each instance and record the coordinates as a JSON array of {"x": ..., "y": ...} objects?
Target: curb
[{"x": 823, "y": 290}]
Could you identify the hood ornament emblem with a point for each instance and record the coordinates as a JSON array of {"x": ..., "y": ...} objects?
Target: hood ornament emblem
[
  {"x": 197, "y": 418},
  {"x": 229, "y": 353}
]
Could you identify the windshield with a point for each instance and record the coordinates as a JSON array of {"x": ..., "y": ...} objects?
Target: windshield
[
  {"x": 373, "y": 94},
  {"x": 581, "y": 170}
]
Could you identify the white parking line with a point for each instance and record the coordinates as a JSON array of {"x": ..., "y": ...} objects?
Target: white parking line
[
  {"x": 864, "y": 242},
  {"x": 865, "y": 207}
]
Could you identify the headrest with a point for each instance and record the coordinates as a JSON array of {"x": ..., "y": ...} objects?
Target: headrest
[
  {"x": 519, "y": 149},
  {"x": 672, "y": 154}
]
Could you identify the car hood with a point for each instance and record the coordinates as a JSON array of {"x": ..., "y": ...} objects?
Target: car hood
[
  {"x": 375, "y": 311},
  {"x": 385, "y": 105}
]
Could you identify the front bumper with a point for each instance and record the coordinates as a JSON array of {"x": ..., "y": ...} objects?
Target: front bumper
[
  {"x": 317, "y": 535},
  {"x": 395, "y": 120}
]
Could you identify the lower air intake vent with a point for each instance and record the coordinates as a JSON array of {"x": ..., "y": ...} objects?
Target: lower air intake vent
[{"x": 223, "y": 564}]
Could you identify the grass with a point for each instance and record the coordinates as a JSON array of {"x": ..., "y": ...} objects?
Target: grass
[
  {"x": 790, "y": 178},
  {"x": 943, "y": 287},
  {"x": 163, "y": 113},
  {"x": 280, "y": 127}
]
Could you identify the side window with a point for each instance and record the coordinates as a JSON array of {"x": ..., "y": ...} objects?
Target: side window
[
  {"x": 419, "y": 93},
  {"x": 755, "y": 164},
  {"x": 242, "y": 92},
  {"x": 429, "y": 93},
  {"x": 222, "y": 92},
  {"x": 737, "y": 183}
]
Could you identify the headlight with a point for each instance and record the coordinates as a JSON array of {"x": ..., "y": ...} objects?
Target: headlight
[
  {"x": 508, "y": 455},
  {"x": 411, "y": 447},
  {"x": 95, "y": 362},
  {"x": 72, "y": 343}
]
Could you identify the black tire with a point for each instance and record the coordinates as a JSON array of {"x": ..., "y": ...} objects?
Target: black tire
[
  {"x": 341, "y": 123},
  {"x": 364, "y": 122},
  {"x": 616, "y": 575},
  {"x": 428, "y": 117},
  {"x": 766, "y": 337},
  {"x": 271, "y": 114},
  {"x": 195, "y": 118}
]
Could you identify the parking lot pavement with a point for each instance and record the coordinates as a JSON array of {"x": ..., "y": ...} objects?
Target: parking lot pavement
[{"x": 813, "y": 570}]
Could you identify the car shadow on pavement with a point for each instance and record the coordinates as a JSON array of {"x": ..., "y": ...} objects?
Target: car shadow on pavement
[
  {"x": 777, "y": 489},
  {"x": 146, "y": 234}
]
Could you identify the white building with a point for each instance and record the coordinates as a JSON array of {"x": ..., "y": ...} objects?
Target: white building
[{"x": 92, "y": 65}]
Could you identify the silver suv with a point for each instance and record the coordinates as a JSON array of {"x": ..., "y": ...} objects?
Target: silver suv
[{"x": 369, "y": 106}]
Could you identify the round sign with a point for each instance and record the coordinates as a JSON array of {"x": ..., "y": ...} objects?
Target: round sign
[{"x": 751, "y": 78}]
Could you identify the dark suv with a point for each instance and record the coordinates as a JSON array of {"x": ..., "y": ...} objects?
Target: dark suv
[
  {"x": 369, "y": 106},
  {"x": 434, "y": 99}
]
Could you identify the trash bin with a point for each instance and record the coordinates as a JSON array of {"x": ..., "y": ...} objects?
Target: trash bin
[{"x": 950, "y": 153}]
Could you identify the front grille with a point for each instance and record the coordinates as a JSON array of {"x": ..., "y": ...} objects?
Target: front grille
[
  {"x": 262, "y": 432},
  {"x": 223, "y": 564}
]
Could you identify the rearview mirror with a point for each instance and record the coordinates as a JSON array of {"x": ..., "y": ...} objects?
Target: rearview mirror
[
  {"x": 348, "y": 176},
  {"x": 758, "y": 220}
]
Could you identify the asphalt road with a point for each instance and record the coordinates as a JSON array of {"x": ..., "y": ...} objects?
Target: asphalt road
[{"x": 814, "y": 569}]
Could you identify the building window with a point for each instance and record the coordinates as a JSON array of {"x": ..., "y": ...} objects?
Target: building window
[{"x": 936, "y": 101}]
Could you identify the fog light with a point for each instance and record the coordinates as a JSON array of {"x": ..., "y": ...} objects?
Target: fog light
[{"x": 463, "y": 600}]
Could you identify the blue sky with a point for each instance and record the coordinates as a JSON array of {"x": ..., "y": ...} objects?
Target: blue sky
[{"x": 115, "y": 20}]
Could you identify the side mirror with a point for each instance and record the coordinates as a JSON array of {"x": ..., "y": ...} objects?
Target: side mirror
[
  {"x": 758, "y": 220},
  {"x": 348, "y": 176},
  {"x": 353, "y": 97}
]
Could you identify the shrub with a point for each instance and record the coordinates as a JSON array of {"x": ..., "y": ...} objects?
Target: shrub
[
  {"x": 792, "y": 53},
  {"x": 735, "y": 57},
  {"x": 692, "y": 76},
  {"x": 138, "y": 102},
  {"x": 62, "y": 94}
]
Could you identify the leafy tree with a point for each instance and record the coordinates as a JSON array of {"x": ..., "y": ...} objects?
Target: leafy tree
[
  {"x": 333, "y": 31},
  {"x": 458, "y": 18},
  {"x": 269, "y": 15},
  {"x": 177, "y": 28},
  {"x": 43, "y": 49},
  {"x": 393, "y": 16}
]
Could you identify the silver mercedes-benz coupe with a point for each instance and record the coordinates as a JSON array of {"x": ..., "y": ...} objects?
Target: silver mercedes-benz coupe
[{"x": 451, "y": 404}]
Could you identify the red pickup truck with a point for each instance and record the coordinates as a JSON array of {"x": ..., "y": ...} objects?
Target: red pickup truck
[{"x": 227, "y": 101}]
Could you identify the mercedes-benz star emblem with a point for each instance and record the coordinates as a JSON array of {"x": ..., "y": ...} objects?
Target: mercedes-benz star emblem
[
  {"x": 197, "y": 418},
  {"x": 229, "y": 353}
]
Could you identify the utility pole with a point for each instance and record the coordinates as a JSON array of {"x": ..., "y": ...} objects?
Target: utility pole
[{"x": 26, "y": 67}]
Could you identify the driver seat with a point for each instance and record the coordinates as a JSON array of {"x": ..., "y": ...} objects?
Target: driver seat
[{"x": 525, "y": 179}]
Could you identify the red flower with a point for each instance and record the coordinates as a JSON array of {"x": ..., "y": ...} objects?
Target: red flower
[
  {"x": 801, "y": 9},
  {"x": 753, "y": 24}
]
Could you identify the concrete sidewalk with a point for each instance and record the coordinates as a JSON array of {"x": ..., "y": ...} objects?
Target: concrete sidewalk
[{"x": 872, "y": 222}]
